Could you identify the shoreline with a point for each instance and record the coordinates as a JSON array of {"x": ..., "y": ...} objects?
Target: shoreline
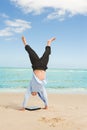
[{"x": 49, "y": 91}]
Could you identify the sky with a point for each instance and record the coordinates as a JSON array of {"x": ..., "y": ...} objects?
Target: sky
[{"x": 38, "y": 21}]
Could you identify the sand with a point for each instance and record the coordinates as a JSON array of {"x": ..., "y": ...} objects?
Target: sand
[{"x": 65, "y": 112}]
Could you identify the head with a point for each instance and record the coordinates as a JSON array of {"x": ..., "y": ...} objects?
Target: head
[{"x": 34, "y": 93}]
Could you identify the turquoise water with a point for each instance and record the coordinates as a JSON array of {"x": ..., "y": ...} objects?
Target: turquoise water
[{"x": 59, "y": 80}]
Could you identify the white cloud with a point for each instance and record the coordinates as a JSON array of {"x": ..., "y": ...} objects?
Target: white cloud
[
  {"x": 6, "y": 32},
  {"x": 11, "y": 38},
  {"x": 3, "y": 15},
  {"x": 15, "y": 26},
  {"x": 61, "y": 8},
  {"x": 60, "y": 14},
  {"x": 18, "y": 23}
]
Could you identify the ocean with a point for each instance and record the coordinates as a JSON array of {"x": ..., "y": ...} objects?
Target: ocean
[{"x": 58, "y": 80}]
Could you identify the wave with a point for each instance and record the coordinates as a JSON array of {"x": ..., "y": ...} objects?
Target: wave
[{"x": 67, "y": 70}]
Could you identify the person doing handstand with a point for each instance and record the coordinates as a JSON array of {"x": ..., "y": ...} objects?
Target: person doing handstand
[{"x": 39, "y": 66}]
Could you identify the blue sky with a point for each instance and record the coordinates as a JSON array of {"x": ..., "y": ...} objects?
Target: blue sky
[{"x": 38, "y": 21}]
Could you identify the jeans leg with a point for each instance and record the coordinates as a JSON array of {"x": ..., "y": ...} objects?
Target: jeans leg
[
  {"x": 45, "y": 58},
  {"x": 32, "y": 54}
]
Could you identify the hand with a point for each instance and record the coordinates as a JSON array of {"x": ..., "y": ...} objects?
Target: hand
[{"x": 46, "y": 107}]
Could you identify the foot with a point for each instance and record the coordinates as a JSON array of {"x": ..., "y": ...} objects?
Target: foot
[
  {"x": 50, "y": 40},
  {"x": 24, "y": 40}
]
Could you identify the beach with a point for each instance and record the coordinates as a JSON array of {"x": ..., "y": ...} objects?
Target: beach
[{"x": 65, "y": 112}]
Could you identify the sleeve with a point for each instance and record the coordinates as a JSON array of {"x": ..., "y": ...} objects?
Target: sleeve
[
  {"x": 26, "y": 97},
  {"x": 43, "y": 96}
]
